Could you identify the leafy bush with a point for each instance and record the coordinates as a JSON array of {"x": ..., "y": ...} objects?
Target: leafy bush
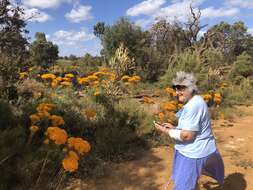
[
  {"x": 242, "y": 67},
  {"x": 7, "y": 118}
]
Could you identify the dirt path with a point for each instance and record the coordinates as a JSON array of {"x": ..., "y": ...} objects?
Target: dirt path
[{"x": 152, "y": 169}]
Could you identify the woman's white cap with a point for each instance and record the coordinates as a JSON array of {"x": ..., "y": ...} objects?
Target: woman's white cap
[{"x": 185, "y": 79}]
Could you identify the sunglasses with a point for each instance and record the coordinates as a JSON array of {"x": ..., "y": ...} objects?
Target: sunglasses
[{"x": 179, "y": 87}]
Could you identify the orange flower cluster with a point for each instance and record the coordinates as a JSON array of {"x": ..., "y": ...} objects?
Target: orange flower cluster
[
  {"x": 56, "y": 120},
  {"x": 215, "y": 98},
  {"x": 42, "y": 112},
  {"x": 207, "y": 97},
  {"x": 56, "y": 134},
  {"x": 148, "y": 100},
  {"x": 48, "y": 76},
  {"x": 130, "y": 80},
  {"x": 171, "y": 91},
  {"x": 97, "y": 77},
  {"x": 58, "y": 81},
  {"x": 168, "y": 109},
  {"x": 43, "y": 109},
  {"x": 170, "y": 106},
  {"x": 34, "y": 118},
  {"x": 70, "y": 162},
  {"x": 59, "y": 136},
  {"x": 78, "y": 144}
]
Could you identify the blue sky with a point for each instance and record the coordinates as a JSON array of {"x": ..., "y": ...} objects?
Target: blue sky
[{"x": 69, "y": 23}]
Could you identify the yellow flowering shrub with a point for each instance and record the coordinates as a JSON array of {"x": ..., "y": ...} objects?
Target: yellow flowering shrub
[
  {"x": 48, "y": 76},
  {"x": 134, "y": 79},
  {"x": 23, "y": 75},
  {"x": 125, "y": 78},
  {"x": 69, "y": 75},
  {"x": 92, "y": 78},
  {"x": 66, "y": 79},
  {"x": 59, "y": 79}
]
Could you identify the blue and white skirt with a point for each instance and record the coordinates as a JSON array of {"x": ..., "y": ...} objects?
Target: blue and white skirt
[{"x": 186, "y": 171}]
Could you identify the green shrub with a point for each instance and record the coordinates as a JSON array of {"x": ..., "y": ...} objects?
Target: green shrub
[
  {"x": 242, "y": 67},
  {"x": 7, "y": 118}
]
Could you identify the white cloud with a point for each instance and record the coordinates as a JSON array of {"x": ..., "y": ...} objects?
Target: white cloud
[
  {"x": 75, "y": 42},
  {"x": 250, "y": 31},
  {"x": 145, "y": 7},
  {"x": 211, "y": 12},
  {"x": 44, "y": 3},
  {"x": 248, "y": 4},
  {"x": 35, "y": 15},
  {"x": 71, "y": 37},
  {"x": 143, "y": 23},
  {"x": 177, "y": 11},
  {"x": 79, "y": 13}
]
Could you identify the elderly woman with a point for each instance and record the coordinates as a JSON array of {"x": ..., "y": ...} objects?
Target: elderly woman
[{"x": 195, "y": 149}]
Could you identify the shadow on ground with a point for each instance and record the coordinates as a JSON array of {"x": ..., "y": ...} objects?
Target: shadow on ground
[{"x": 234, "y": 181}]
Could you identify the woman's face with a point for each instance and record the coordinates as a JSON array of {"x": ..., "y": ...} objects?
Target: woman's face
[{"x": 184, "y": 94}]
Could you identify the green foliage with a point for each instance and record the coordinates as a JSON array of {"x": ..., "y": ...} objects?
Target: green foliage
[
  {"x": 7, "y": 118},
  {"x": 238, "y": 94},
  {"x": 12, "y": 30},
  {"x": 235, "y": 38},
  {"x": 187, "y": 61},
  {"x": 13, "y": 46},
  {"x": 43, "y": 53},
  {"x": 151, "y": 64},
  {"x": 242, "y": 67},
  {"x": 123, "y": 31}
]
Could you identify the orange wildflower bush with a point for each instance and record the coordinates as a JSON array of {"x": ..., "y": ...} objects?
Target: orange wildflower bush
[
  {"x": 170, "y": 91},
  {"x": 56, "y": 134},
  {"x": 75, "y": 146},
  {"x": 78, "y": 144},
  {"x": 56, "y": 120},
  {"x": 48, "y": 76},
  {"x": 148, "y": 100},
  {"x": 212, "y": 98},
  {"x": 70, "y": 164}
]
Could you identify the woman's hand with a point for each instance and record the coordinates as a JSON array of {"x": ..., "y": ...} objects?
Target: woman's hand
[
  {"x": 168, "y": 125},
  {"x": 161, "y": 128}
]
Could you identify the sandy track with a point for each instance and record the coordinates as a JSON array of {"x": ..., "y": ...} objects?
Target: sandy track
[{"x": 153, "y": 167}]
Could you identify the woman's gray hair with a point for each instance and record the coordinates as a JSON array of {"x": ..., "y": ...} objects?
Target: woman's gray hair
[{"x": 186, "y": 79}]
